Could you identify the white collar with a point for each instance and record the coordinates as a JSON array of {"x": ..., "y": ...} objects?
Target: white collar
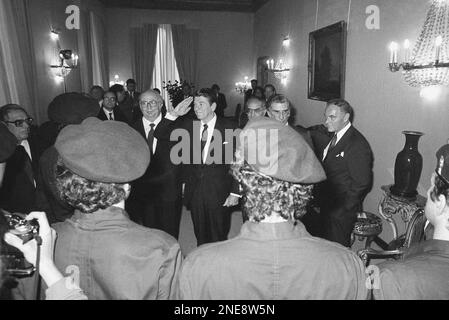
[
  {"x": 342, "y": 132},
  {"x": 147, "y": 123},
  {"x": 211, "y": 123}
]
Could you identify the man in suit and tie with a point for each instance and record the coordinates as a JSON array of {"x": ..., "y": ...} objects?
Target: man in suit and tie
[
  {"x": 18, "y": 192},
  {"x": 155, "y": 199},
  {"x": 221, "y": 101},
  {"x": 210, "y": 190},
  {"x": 109, "y": 110},
  {"x": 132, "y": 99},
  {"x": 348, "y": 162},
  {"x": 250, "y": 92},
  {"x": 280, "y": 109}
]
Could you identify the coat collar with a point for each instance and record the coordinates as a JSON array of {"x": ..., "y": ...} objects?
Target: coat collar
[{"x": 273, "y": 231}]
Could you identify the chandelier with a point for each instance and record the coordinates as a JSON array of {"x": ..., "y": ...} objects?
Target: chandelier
[
  {"x": 279, "y": 68},
  {"x": 428, "y": 64},
  {"x": 241, "y": 87}
]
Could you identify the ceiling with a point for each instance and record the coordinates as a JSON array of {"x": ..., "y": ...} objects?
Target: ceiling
[{"x": 194, "y": 5}]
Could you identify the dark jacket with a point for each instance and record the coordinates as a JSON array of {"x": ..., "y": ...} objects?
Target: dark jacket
[
  {"x": 118, "y": 115},
  {"x": 215, "y": 175}
]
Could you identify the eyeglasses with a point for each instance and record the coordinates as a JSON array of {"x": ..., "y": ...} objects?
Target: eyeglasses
[
  {"x": 148, "y": 104},
  {"x": 19, "y": 123},
  {"x": 110, "y": 98}
]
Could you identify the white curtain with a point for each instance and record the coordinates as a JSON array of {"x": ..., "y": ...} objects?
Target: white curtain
[
  {"x": 165, "y": 68},
  {"x": 17, "y": 76}
]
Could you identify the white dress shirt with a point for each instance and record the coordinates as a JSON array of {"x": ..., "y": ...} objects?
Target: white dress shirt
[
  {"x": 106, "y": 112},
  {"x": 210, "y": 133},
  {"x": 25, "y": 144},
  {"x": 340, "y": 135},
  {"x": 147, "y": 127}
]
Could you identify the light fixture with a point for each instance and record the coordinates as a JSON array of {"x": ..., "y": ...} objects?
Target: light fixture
[
  {"x": 67, "y": 61},
  {"x": 116, "y": 81},
  {"x": 279, "y": 67},
  {"x": 241, "y": 87},
  {"x": 428, "y": 64},
  {"x": 54, "y": 34}
]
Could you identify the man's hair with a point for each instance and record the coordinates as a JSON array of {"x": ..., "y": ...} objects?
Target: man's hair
[
  {"x": 441, "y": 188},
  {"x": 207, "y": 93},
  {"x": 130, "y": 81},
  {"x": 157, "y": 90},
  {"x": 255, "y": 99},
  {"x": 86, "y": 195},
  {"x": 6, "y": 109},
  {"x": 96, "y": 87},
  {"x": 281, "y": 99},
  {"x": 254, "y": 80},
  {"x": 265, "y": 196},
  {"x": 215, "y": 87},
  {"x": 344, "y": 106},
  {"x": 270, "y": 86},
  {"x": 116, "y": 88}
]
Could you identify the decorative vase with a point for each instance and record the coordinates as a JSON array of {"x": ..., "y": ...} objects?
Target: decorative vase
[{"x": 408, "y": 167}]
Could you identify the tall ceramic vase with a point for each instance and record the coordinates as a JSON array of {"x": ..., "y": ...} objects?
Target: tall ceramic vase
[{"x": 408, "y": 167}]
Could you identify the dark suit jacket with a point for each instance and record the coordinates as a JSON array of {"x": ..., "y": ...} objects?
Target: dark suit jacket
[
  {"x": 118, "y": 115},
  {"x": 348, "y": 167},
  {"x": 216, "y": 175},
  {"x": 305, "y": 134},
  {"x": 162, "y": 179},
  {"x": 18, "y": 193},
  {"x": 221, "y": 105}
]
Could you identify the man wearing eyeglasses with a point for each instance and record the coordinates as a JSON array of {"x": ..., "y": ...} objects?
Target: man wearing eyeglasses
[
  {"x": 108, "y": 111},
  {"x": 155, "y": 199},
  {"x": 18, "y": 193}
]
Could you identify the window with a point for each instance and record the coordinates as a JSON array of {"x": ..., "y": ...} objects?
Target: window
[{"x": 165, "y": 68}]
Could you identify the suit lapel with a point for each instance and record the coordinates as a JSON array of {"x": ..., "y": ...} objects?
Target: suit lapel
[{"x": 340, "y": 146}]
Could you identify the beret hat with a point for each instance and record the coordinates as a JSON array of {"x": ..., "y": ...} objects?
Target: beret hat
[
  {"x": 443, "y": 162},
  {"x": 276, "y": 150},
  {"x": 8, "y": 143},
  {"x": 72, "y": 108},
  {"x": 103, "y": 151}
]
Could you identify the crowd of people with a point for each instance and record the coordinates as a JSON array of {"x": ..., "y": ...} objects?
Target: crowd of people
[{"x": 110, "y": 172}]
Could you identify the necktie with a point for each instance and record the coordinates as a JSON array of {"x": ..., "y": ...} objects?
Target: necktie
[
  {"x": 333, "y": 142},
  {"x": 26, "y": 163},
  {"x": 111, "y": 116},
  {"x": 150, "y": 138},
  {"x": 203, "y": 141}
]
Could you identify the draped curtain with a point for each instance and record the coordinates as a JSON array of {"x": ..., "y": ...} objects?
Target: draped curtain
[
  {"x": 143, "y": 45},
  {"x": 185, "y": 43},
  {"x": 98, "y": 50},
  {"x": 18, "y": 75},
  {"x": 165, "y": 68},
  {"x": 92, "y": 49}
]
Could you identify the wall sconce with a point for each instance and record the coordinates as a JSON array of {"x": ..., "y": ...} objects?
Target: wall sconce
[
  {"x": 279, "y": 68},
  {"x": 428, "y": 64},
  {"x": 67, "y": 61},
  {"x": 54, "y": 34},
  {"x": 241, "y": 87}
]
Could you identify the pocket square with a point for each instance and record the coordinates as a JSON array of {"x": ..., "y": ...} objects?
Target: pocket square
[
  {"x": 340, "y": 155},
  {"x": 225, "y": 142}
]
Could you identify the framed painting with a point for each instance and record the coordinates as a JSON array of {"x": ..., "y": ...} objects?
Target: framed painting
[{"x": 327, "y": 62}]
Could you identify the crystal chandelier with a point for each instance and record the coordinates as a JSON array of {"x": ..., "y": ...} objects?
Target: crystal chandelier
[
  {"x": 428, "y": 64},
  {"x": 279, "y": 68}
]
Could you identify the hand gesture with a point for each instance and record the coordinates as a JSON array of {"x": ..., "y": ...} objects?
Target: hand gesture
[{"x": 181, "y": 109}]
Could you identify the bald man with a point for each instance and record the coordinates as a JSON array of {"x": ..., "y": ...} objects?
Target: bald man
[{"x": 155, "y": 199}]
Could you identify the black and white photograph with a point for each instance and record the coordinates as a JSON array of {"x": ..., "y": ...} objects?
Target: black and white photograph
[{"x": 226, "y": 157}]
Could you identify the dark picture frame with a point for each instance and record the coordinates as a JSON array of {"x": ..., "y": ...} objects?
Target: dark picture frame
[{"x": 327, "y": 62}]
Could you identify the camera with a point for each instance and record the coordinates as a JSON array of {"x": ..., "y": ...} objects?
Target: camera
[{"x": 13, "y": 260}]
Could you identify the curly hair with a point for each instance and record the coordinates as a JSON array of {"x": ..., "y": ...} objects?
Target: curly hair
[
  {"x": 441, "y": 187},
  {"x": 265, "y": 196},
  {"x": 86, "y": 195}
]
